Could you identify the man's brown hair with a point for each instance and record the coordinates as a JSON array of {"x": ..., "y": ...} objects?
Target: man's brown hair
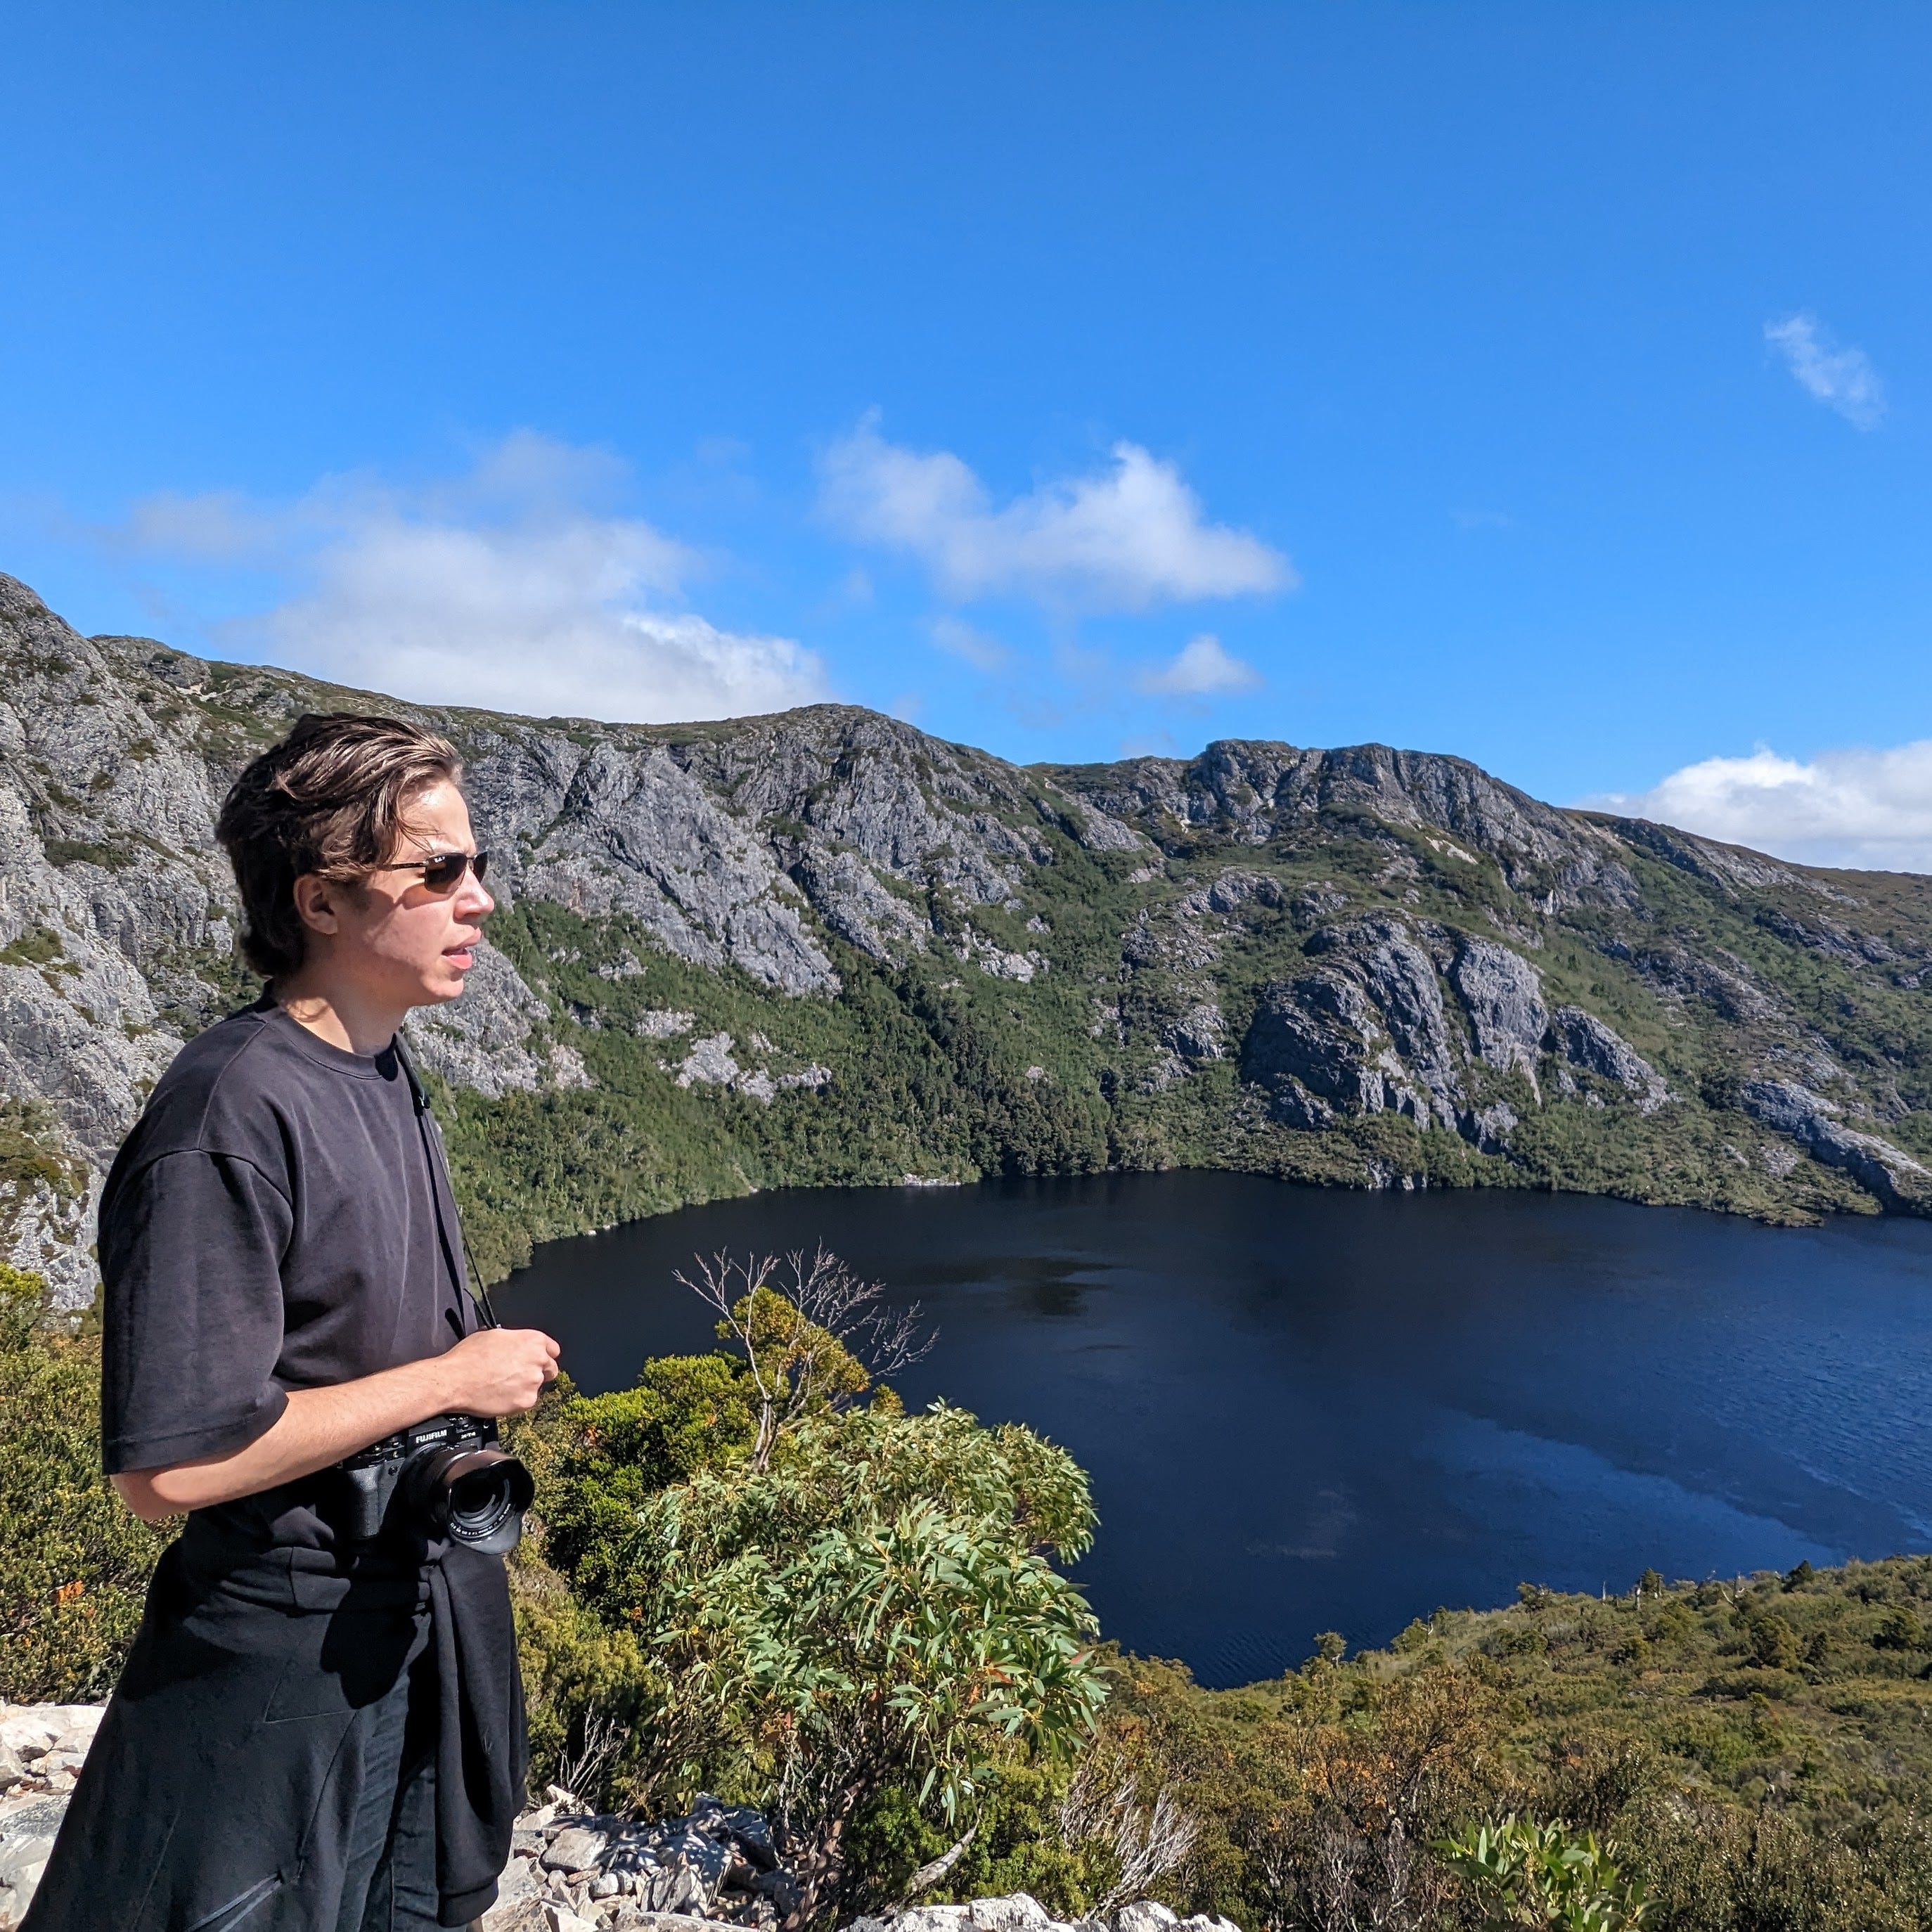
[{"x": 330, "y": 799}]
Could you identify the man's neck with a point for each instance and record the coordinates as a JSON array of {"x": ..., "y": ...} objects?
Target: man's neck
[{"x": 343, "y": 1015}]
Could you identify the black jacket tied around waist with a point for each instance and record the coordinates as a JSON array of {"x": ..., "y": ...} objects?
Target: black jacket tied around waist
[{"x": 222, "y": 1785}]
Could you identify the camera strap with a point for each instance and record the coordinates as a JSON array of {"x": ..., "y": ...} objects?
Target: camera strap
[{"x": 461, "y": 1278}]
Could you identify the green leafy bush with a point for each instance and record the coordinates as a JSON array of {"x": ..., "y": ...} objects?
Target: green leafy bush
[
  {"x": 872, "y": 1615},
  {"x": 77, "y": 1561},
  {"x": 1526, "y": 1873},
  {"x": 1902, "y": 1630}
]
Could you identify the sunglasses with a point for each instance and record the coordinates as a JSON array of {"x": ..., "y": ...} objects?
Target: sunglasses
[{"x": 445, "y": 870}]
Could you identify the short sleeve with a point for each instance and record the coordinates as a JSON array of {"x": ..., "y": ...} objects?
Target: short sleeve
[{"x": 191, "y": 1246}]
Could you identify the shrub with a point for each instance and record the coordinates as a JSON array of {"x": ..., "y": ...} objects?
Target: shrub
[
  {"x": 1773, "y": 1643},
  {"x": 1900, "y": 1630},
  {"x": 78, "y": 1560},
  {"x": 872, "y": 1612},
  {"x": 1527, "y": 1873}
]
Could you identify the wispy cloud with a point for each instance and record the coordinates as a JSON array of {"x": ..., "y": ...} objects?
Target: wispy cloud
[
  {"x": 1201, "y": 668},
  {"x": 1866, "y": 809},
  {"x": 1841, "y": 377},
  {"x": 514, "y": 587},
  {"x": 951, "y": 634},
  {"x": 1131, "y": 535}
]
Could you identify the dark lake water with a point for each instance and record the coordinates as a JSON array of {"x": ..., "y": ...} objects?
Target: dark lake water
[{"x": 1307, "y": 1410}]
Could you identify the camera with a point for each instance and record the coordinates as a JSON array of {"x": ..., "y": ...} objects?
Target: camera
[{"x": 444, "y": 1477}]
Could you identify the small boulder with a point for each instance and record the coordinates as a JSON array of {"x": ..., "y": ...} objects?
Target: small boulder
[
  {"x": 574, "y": 1849},
  {"x": 1020, "y": 1912},
  {"x": 1145, "y": 1915},
  {"x": 935, "y": 1918},
  {"x": 518, "y": 1886}
]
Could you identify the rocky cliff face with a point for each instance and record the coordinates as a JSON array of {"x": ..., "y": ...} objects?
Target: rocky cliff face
[{"x": 822, "y": 946}]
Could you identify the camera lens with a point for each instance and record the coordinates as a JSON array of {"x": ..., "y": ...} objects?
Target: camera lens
[{"x": 476, "y": 1497}]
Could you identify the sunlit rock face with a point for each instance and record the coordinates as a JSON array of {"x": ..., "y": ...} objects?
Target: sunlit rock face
[{"x": 1266, "y": 956}]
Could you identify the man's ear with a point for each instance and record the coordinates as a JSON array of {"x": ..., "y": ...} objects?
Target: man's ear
[{"x": 316, "y": 903}]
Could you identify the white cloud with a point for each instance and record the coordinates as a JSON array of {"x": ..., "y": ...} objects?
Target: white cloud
[
  {"x": 510, "y": 588},
  {"x": 962, "y": 640},
  {"x": 1842, "y": 379},
  {"x": 222, "y": 526},
  {"x": 1201, "y": 668},
  {"x": 1869, "y": 809},
  {"x": 1130, "y": 536}
]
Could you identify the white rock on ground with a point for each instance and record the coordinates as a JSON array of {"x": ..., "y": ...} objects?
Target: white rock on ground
[
  {"x": 42, "y": 1746},
  {"x": 570, "y": 1870}
]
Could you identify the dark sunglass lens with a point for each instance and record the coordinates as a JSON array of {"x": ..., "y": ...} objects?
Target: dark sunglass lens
[
  {"x": 440, "y": 875},
  {"x": 479, "y": 865}
]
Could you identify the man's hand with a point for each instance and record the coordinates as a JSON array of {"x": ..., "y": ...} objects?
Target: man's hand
[
  {"x": 498, "y": 1371},
  {"x": 494, "y": 1372}
]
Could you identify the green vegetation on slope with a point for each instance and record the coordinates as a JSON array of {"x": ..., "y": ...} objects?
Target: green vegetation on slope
[
  {"x": 927, "y": 1078},
  {"x": 1758, "y": 1752},
  {"x": 1761, "y": 1749},
  {"x": 77, "y": 1563},
  {"x": 1048, "y": 969}
]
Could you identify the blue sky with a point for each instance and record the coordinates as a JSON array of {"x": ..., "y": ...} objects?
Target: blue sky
[{"x": 1545, "y": 383}]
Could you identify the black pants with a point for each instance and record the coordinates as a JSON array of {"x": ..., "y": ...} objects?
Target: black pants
[
  {"x": 388, "y": 1880},
  {"x": 264, "y": 1766}
]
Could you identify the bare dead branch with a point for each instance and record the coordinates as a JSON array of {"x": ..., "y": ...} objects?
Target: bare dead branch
[
  {"x": 842, "y": 1321},
  {"x": 1103, "y": 1802},
  {"x": 584, "y": 1771},
  {"x": 927, "y": 1875}
]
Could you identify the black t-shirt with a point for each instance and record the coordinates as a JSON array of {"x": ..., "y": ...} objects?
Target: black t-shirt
[{"x": 279, "y": 1219}]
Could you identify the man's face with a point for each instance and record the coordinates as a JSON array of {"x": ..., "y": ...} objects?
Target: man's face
[{"x": 400, "y": 942}]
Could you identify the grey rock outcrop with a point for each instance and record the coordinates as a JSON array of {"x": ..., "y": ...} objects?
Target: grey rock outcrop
[
  {"x": 1365, "y": 1032},
  {"x": 1816, "y": 1124},
  {"x": 47, "y": 1229},
  {"x": 1368, "y": 1031},
  {"x": 1257, "y": 792},
  {"x": 1020, "y": 1911},
  {"x": 720, "y": 1865},
  {"x": 1502, "y": 994},
  {"x": 1585, "y": 1041},
  {"x": 1196, "y": 1033},
  {"x": 1314, "y": 1045},
  {"x": 1401, "y": 980},
  {"x": 716, "y": 1865},
  {"x": 480, "y": 1040},
  {"x": 612, "y": 828}
]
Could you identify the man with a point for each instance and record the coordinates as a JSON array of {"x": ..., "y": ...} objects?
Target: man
[{"x": 316, "y": 1731}]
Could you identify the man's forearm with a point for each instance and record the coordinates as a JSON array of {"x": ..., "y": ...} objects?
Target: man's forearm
[
  {"x": 318, "y": 1427},
  {"x": 493, "y": 1372}
]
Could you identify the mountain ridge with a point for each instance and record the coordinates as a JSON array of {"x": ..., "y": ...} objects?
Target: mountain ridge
[{"x": 821, "y": 945}]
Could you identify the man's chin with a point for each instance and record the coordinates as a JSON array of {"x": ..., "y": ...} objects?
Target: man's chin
[{"x": 444, "y": 985}]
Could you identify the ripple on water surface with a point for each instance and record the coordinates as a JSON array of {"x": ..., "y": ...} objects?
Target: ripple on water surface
[{"x": 1306, "y": 1409}]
